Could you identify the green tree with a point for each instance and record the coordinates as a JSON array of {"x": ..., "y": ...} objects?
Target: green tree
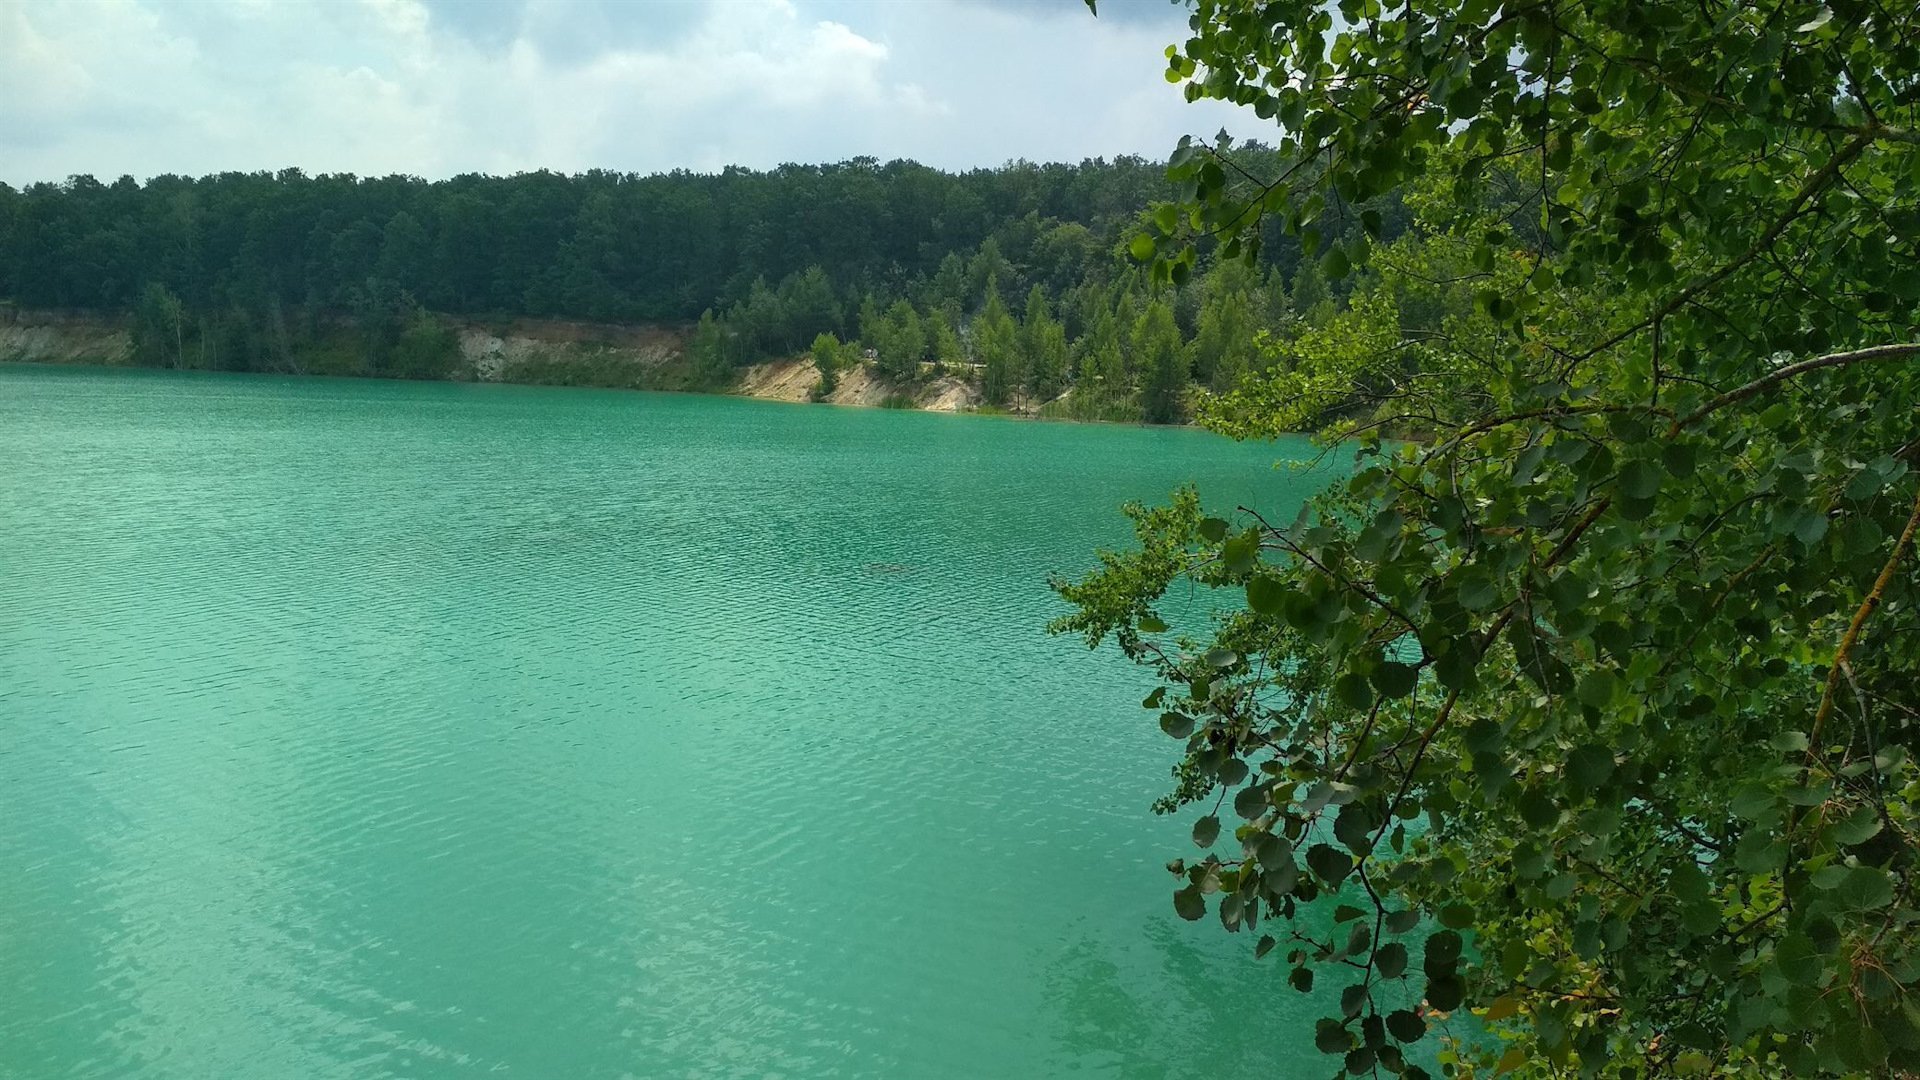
[
  {"x": 827, "y": 359},
  {"x": 1308, "y": 296},
  {"x": 426, "y": 348},
  {"x": 1101, "y": 389},
  {"x": 1221, "y": 351},
  {"x": 948, "y": 286},
  {"x": 996, "y": 346},
  {"x": 1612, "y": 672},
  {"x": 987, "y": 273},
  {"x": 1162, "y": 363},
  {"x": 159, "y": 328},
  {"x": 944, "y": 343},
  {"x": 711, "y": 351},
  {"x": 404, "y": 251},
  {"x": 809, "y": 307},
  {"x": 875, "y": 329},
  {"x": 761, "y": 321},
  {"x": 1044, "y": 343},
  {"x": 906, "y": 343}
]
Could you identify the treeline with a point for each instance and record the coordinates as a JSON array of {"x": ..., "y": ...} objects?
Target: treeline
[
  {"x": 1017, "y": 275},
  {"x": 1107, "y": 347},
  {"x": 602, "y": 246}
]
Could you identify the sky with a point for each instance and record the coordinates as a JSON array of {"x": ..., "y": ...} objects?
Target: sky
[{"x": 436, "y": 88}]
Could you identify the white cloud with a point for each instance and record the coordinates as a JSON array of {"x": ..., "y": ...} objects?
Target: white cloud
[{"x": 398, "y": 86}]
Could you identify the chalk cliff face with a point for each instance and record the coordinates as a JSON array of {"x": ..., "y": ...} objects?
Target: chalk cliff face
[
  {"x": 39, "y": 337},
  {"x": 794, "y": 380},
  {"x": 572, "y": 354}
]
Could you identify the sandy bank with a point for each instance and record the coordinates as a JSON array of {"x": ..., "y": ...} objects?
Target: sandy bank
[{"x": 794, "y": 380}]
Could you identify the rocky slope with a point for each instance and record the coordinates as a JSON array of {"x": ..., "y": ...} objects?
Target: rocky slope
[{"x": 794, "y": 380}]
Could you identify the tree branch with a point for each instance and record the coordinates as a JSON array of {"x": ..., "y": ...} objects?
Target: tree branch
[
  {"x": 1860, "y": 617},
  {"x": 1782, "y": 374}
]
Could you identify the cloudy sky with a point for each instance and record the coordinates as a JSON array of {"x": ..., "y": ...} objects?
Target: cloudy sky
[{"x": 439, "y": 87}]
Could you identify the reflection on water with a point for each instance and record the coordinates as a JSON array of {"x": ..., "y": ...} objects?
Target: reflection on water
[{"x": 363, "y": 729}]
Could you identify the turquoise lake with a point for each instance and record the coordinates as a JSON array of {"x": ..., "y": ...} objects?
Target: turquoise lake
[{"x": 360, "y": 729}]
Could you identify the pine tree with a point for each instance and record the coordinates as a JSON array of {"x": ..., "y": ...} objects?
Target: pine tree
[
  {"x": 906, "y": 343},
  {"x": 996, "y": 342},
  {"x": 1044, "y": 343},
  {"x": 943, "y": 342},
  {"x": 1162, "y": 362}
]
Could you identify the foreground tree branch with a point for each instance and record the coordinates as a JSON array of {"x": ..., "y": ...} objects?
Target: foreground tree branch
[{"x": 1542, "y": 676}]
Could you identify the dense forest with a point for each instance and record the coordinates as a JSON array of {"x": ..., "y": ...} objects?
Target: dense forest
[{"x": 1018, "y": 277}]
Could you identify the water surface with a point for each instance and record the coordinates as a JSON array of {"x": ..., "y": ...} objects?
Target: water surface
[{"x": 362, "y": 729}]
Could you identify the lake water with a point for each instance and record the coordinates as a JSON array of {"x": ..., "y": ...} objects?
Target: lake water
[{"x": 362, "y": 729}]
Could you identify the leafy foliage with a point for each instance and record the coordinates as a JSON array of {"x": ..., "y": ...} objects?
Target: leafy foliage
[{"x": 1597, "y": 700}]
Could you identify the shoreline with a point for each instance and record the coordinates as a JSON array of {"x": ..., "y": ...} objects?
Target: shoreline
[
  {"x": 532, "y": 352},
  {"x": 971, "y": 413}
]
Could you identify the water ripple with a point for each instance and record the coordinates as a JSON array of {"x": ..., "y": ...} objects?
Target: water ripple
[{"x": 364, "y": 729}]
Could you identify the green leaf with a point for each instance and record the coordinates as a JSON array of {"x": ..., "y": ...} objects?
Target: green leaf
[
  {"x": 1390, "y": 960},
  {"x": 1213, "y": 529},
  {"x": 1394, "y": 679},
  {"x": 1141, "y": 248},
  {"x": 1446, "y": 993},
  {"x": 1443, "y": 947},
  {"x": 1406, "y": 1025},
  {"x": 1597, "y": 689},
  {"x": 1329, "y": 863},
  {"x": 1477, "y": 590},
  {"x": 1810, "y": 528},
  {"x": 1537, "y": 807},
  {"x": 1858, "y": 827},
  {"x": 1789, "y": 742},
  {"x": 1758, "y": 852},
  {"x": 1151, "y": 624},
  {"x": 1755, "y": 803},
  {"x": 1687, "y": 882},
  {"x": 1353, "y": 999},
  {"x": 1250, "y": 801},
  {"x": 1354, "y": 828},
  {"x": 1865, "y": 888},
  {"x": 1274, "y": 851},
  {"x": 1206, "y": 831},
  {"x": 1641, "y": 479},
  {"x": 1238, "y": 553},
  {"x": 1797, "y": 959},
  {"x": 1189, "y": 904},
  {"x": 1265, "y": 595},
  {"x": 1455, "y": 667},
  {"x": 1352, "y": 691},
  {"x": 1589, "y": 766}
]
